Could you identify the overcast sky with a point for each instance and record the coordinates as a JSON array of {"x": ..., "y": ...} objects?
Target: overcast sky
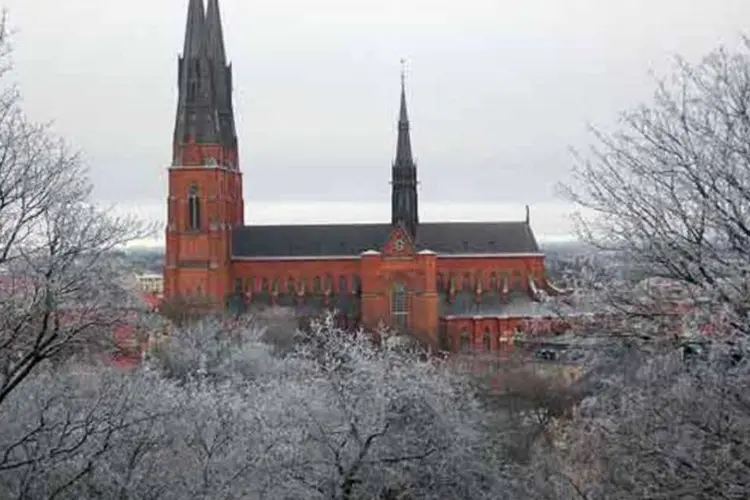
[{"x": 498, "y": 91}]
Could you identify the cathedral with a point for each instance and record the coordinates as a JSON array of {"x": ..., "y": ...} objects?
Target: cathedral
[{"x": 455, "y": 284}]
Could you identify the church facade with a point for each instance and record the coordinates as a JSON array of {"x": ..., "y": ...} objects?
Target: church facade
[{"x": 457, "y": 284}]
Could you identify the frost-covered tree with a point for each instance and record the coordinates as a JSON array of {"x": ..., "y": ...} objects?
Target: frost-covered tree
[
  {"x": 672, "y": 426},
  {"x": 224, "y": 414},
  {"x": 339, "y": 417},
  {"x": 373, "y": 419},
  {"x": 60, "y": 288},
  {"x": 73, "y": 424},
  {"x": 669, "y": 189}
]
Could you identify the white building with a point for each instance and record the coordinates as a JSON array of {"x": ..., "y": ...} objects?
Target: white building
[{"x": 150, "y": 283}]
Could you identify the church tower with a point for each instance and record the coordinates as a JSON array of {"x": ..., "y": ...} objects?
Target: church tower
[
  {"x": 404, "y": 209},
  {"x": 205, "y": 201}
]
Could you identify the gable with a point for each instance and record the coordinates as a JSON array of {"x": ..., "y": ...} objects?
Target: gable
[{"x": 399, "y": 242}]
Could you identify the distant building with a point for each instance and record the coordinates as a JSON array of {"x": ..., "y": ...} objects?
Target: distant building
[
  {"x": 444, "y": 282},
  {"x": 152, "y": 284}
]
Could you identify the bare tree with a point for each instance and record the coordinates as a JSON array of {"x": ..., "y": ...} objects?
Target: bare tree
[
  {"x": 59, "y": 284},
  {"x": 674, "y": 427},
  {"x": 77, "y": 429},
  {"x": 669, "y": 190},
  {"x": 333, "y": 416}
]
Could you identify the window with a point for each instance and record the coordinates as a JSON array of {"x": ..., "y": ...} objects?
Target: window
[
  {"x": 316, "y": 284},
  {"x": 328, "y": 284},
  {"x": 487, "y": 340},
  {"x": 493, "y": 281},
  {"x": 290, "y": 288},
  {"x": 238, "y": 285},
  {"x": 343, "y": 285},
  {"x": 194, "y": 209},
  {"x": 356, "y": 284},
  {"x": 466, "y": 284},
  {"x": 451, "y": 283},
  {"x": 264, "y": 285},
  {"x": 192, "y": 88},
  {"x": 250, "y": 284},
  {"x": 440, "y": 283},
  {"x": 517, "y": 280},
  {"x": 465, "y": 341},
  {"x": 400, "y": 306}
]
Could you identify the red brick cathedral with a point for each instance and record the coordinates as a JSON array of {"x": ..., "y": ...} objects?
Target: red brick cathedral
[{"x": 458, "y": 283}]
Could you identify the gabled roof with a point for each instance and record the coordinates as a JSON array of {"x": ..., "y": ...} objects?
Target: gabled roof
[{"x": 445, "y": 238}]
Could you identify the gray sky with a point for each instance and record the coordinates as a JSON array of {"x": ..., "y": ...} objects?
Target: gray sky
[{"x": 498, "y": 91}]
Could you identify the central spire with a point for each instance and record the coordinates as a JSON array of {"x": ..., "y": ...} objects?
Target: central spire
[
  {"x": 404, "y": 209},
  {"x": 403, "y": 148}
]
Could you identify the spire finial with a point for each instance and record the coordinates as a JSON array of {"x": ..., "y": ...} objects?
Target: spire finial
[{"x": 403, "y": 73}]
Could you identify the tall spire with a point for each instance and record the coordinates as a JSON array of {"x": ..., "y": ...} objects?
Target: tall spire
[
  {"x": 222, "y": 75},
  {"x": 215, "y": 33},
  {"x": 197, "y": 117},
  {"x": 404, "y": 209},
  {"x": 194, "y": 29},
  {"x": 403, "y": 147}
]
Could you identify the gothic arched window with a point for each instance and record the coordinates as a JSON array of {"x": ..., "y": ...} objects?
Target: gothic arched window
[
  {"x": 194, "y": 209},
  {"x": 343, "y": 285},
  {"x": 291, "y": 286},
  {"x": 400, "y": 306},
  {"x": 487, "y": 340}
]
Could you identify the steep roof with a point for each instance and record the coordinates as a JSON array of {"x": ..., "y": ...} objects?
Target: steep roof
[
  {"x": 194, "y": 29},
  {"x": 352, "y": 239},
  {"x": 404, "y": 157},
  {"x": 215, "y": 34}
]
